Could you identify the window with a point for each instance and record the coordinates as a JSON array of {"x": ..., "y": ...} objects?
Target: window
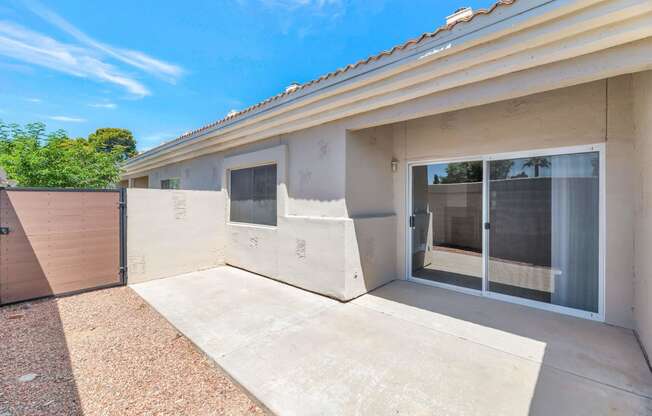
[
  {"x": 253, "y": 195},
  {"x": 172, "y": 183}
]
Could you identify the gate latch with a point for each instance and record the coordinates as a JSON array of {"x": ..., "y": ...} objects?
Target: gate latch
[{"x": 4, "y": 230}]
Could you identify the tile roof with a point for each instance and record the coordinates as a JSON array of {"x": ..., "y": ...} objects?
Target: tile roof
[{"x": 412, "y": 42}]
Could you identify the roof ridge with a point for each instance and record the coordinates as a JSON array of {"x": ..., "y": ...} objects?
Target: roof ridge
[{"x": 411, "y": 42}]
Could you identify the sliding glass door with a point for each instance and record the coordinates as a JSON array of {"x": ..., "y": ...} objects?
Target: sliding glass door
[
  {"x": 524, "y": 228},
  {"x": 447, "y": 223},
  {"x": 544, "y": 229}
]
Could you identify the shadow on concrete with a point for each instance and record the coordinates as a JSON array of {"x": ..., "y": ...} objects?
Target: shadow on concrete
[{"x": 579, "y": 358}]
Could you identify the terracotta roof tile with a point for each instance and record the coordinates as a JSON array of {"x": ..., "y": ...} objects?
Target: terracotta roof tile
[{"x": 370, "y": 59}]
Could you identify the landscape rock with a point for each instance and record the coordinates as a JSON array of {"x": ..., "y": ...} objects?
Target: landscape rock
[{"x": 26, "y": 378}]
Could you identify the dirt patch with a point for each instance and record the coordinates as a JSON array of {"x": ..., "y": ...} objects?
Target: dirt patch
[{"x": 106, "y": 353}]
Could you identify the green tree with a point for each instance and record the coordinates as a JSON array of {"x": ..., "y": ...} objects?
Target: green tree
[
  {"x": 34, "y": 158},
  {"x": 119, "y": 141},
  {"x": 537, "y": 162},
  {"x": 499, "y": 169},
  {"x": 462, "y": 172}
]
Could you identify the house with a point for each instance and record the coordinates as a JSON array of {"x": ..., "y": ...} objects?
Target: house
[{"x": 507, "y": 154}]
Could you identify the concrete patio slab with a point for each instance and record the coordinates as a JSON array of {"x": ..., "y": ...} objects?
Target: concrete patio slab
[
  {"x": 578, "y": 346},
  {"x": 226, "y": 308},
  {"x": 403, "y": 349}
]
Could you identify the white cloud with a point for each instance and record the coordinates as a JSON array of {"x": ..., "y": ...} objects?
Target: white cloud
[
  {"x": 140, "y": 60},
  {"x": 33, "y": 100},
  {"x": 109, "y": 106},
  {"x": 301, "y": 17},
  {"x": 67, "y": 119},
  {"x": 28, "y": 46},
  {"x": 88, "y": 58}
]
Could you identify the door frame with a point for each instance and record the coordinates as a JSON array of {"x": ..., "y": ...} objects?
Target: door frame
[{"x": 485, "y": 159}]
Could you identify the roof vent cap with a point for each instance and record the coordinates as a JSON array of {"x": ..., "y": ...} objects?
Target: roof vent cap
[
  {"x": 459, "y": 14},
  {"x": 292, "y": 87},
  {"x": 231, "y": 113}
]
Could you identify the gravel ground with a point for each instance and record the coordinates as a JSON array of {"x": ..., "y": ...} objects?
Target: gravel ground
[{"x": 106, "y": 353}]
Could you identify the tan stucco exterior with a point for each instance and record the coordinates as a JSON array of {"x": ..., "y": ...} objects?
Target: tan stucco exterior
[
  {"x": 342, "y": 206},
  {"x": 566, "y": 117},
  {"x": 642, "y": 203}
]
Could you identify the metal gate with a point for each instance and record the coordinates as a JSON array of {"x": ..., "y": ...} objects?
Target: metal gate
[{"x": 60, "y": 241}]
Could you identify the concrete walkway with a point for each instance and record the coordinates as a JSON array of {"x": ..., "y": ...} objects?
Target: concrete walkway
[{"x": 404, "y": 349}]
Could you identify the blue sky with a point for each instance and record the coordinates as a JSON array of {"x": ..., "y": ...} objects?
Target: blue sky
[{"x": 160, "y": 68}]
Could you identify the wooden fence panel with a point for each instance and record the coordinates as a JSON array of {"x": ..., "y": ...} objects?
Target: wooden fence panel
[{"x": 58, "y": 241}]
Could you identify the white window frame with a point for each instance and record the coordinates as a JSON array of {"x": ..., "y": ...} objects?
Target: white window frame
[{"x": 599, "y": 147}]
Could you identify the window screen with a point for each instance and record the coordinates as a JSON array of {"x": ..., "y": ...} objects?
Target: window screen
[
  {"x": 173, "y": 183},
  {"x": 253, "y": 195}
]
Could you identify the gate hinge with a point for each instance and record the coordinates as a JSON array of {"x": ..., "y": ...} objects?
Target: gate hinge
[{"x": 123, "y": 275}]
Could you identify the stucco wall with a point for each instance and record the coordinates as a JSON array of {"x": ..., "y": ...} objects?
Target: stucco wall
[
  {"x": 370, "y": 203},
  {"x": 316, "y": 178},
  {"x": 643, "y": 206},
  {"x": 315, "y": 186},
  {"x": 202, "y": 173},
  {"x": 173, "y": 232},
  {"x": 565, "y": 117},
  {"x": 309, "y": 246},
  {"x": 596, "y": 112},
  {"x": 620, "y": 175},
  {"x": 342, "y": 229}
]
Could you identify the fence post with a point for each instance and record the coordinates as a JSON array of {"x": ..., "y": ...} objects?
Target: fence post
[{"x": 123, "y": 235}]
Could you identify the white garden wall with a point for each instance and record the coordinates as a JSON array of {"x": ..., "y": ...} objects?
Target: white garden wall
[{"x": 173, "y": 232}]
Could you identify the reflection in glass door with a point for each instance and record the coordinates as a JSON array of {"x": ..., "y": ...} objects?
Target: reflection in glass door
[
  {"x": 446, "y": 223},
  {"x": 541, "y": 244},
  {"x": 544, "y": 237}
]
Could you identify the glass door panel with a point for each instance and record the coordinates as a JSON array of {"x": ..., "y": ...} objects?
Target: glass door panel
[
  {"x": 544, "y": 235},
  {"x": 446, "y": 223}
]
